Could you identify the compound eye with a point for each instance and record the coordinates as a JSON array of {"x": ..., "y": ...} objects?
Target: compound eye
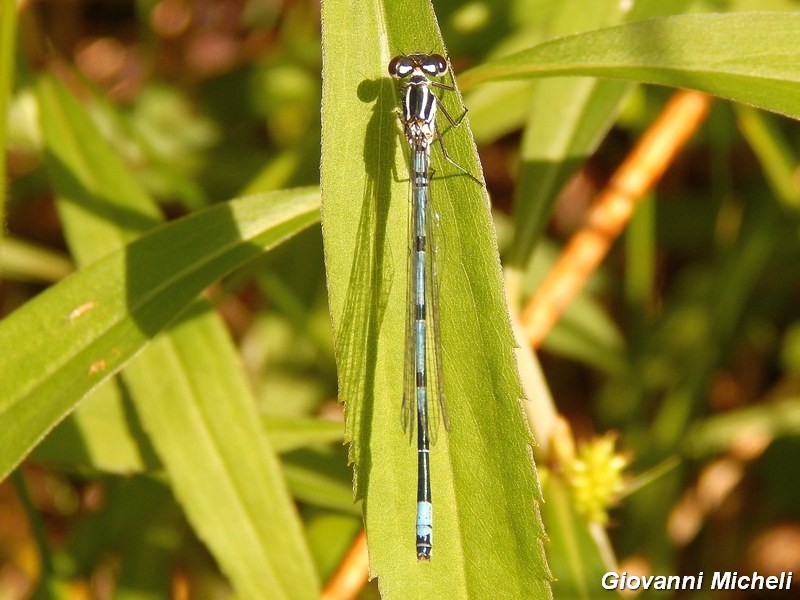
[
  {"x": 400, "y": 66},
  {"x": 429, "y": 65},
  {"x": 438, "y": 62}
]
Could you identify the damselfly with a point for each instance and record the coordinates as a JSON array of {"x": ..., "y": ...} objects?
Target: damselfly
[{"x": 423, "y": 362}]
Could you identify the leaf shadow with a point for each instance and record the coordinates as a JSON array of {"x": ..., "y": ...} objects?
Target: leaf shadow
[{"x": 371, "y": 276}]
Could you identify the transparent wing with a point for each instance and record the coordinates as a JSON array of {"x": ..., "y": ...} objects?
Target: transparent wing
[
  {"x": 437, "y": 406},
  {"x": 409, "y": 407}
]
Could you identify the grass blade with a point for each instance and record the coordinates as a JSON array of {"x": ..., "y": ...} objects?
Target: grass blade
[
  {"x": 751, "y": 57},
  {"x": 187, "y": 386}
]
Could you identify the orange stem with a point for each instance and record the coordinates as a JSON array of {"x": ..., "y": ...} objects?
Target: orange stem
[
  {"x": 640, "y": 171},
  {"x": 352, "y": 574}
]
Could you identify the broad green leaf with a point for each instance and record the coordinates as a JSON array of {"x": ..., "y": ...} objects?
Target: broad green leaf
[
  {"x": 223, "y": 471},
  {"x": 187, "y": 386},
  {"x": 488, "y": 533},
  {"x": 746, "y": 57},
  {"x": 96, "y": 319}
]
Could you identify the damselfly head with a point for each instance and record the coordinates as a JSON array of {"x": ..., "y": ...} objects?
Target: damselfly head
[{"x": 402, "y": 66}]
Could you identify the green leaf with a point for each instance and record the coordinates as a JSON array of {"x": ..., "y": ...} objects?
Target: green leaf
[
  {"x": 97, "y": 318},
  {"x": 567, "y": 119},
  {"x": 187, "y": 387},
  {"x": 100, "y": 317},
  {"x": 751, "y": 58},
  {"x": 100, "y": 203},
  {"x": 488, "y": 533},
  {"x": 222, "y": 469},
  {"x": 216, "y": 454}
]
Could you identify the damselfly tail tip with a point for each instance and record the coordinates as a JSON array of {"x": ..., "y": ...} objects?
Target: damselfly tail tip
[
  {"x": 424, "y": 548},
  {"x": 424, "y": 529}
]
